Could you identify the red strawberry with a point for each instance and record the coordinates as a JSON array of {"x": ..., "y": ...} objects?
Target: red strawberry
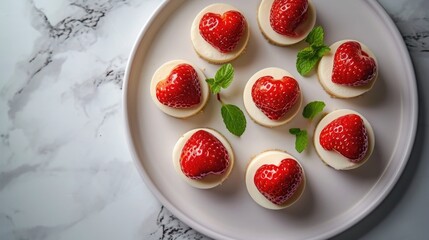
[
  {"x": 181, "y": 89},
  {"x": 278, "y": 183},
  {"x": 346, "y": 135},
  {"x": 275, "y": 97},
  {"x": 203, "y": 154},
  {"x": 223, "y": 32},
  {"x": 287, "y": 15},
  {"x": 352, "y": 66}
]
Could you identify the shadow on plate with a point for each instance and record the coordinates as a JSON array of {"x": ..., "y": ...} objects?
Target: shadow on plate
[{"x": 400, "y": 189}]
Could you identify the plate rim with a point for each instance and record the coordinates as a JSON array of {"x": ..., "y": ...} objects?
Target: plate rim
[{"x": 408, "y": 70}]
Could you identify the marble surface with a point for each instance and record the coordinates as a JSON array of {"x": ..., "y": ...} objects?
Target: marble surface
[{"x": 65, "y": 169}]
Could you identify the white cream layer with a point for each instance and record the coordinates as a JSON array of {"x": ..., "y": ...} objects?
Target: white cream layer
[
  {"x": 255, "y": 113},
  {"x": 324, "y": 72},
  {"x": 270, "y": 157},
  {"x": 334, "y": 158},
  {"x": 162, "y": 73},
  {"x": 205, "y": 49},
  {"x": 211, "y": 180},
  {"x": 303, "y": 30}
]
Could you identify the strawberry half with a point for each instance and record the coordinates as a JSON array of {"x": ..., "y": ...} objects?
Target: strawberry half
[
  {"x": 203, "y": 154},
  {"x": 279, "y": 183},
  {"x": 275, "y": 97},
  {"x": 287, "y": 15},
  {"x": 181, "y": 89},
  {"x": 352, "y": 66},
  {"x": 223, "y": 32},
  {"x": 346, "y": 135}
]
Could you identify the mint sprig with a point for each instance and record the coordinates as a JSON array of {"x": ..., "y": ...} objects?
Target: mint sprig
[
  {"x": 312, "y": 109},
  {"x": 232, "y": 116},
  {"x": 234, "y": 119},
  {"x": 308, "y": 57},
  {"x": 315, "y": 37},
  {"x": 222, "y": 79},
  {"x": 301, "y": 139}
]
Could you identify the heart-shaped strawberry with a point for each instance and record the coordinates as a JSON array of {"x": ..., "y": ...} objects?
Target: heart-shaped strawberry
[
  {"x": 223, "y": 32},
  {"x": 352, "y": 66},
  {"x": 275, "y": 97},
  {"x": 346, "y": 135},
  {"x": 279, "y": 183},
  {"x": 287, "y": 15},
  {"x": 203, "y": 154},
  {"x": 181, "y": 89}
]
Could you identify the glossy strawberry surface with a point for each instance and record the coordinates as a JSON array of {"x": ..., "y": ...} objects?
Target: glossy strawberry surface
[
  {"x": 347, "y": 135},
  {"x": 224, "y": 31},
  {"x": 203, "y": 154},
  {"x": 279, "y": 183},
  {"x": 287, "y": 15},
  {"x": 181, "y": 89},
  {"x": 352, "y": 66},
  {"x": 275, "y": 97}
]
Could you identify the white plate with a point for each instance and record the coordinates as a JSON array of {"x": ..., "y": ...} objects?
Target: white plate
[{"x": 333, "y": 200}]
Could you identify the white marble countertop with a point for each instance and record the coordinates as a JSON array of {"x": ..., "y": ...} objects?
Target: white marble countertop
[{"x": 65, "y": 169}]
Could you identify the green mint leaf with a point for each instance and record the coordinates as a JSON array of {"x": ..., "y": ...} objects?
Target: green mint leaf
[
  {"x": 234, "y": 119},
  {"x": 306, "y": 60},
  {"x": 312, "y": 109},
  {"x": 316, "y": 36},
  {"x": 214, "y": 87},
  {"x": 306, "y": 53},
  {"x": 301, "y": 139},
  {"x": 210, "y": 81},
  {"x": 225, "y": 75},
  {"x": 322, "y": 50},
  {"x": 308, "y": 57},
  {"x": 294, "y": 131},
  {"x": 222, "y": 79}
]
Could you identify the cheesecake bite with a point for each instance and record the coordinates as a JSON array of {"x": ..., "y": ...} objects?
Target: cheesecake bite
[
  {"x": 203, "y": 158},
  {"x": 179, "y": 89},
  {"x": 286, "y": 22},
  {"x": 219, "y": 33},
  {"x": 344, "y": 139},
  {"x": 349, "y": 70},
  {"x": 275, "y": 179},
  {"x": 272, "y": 97}
]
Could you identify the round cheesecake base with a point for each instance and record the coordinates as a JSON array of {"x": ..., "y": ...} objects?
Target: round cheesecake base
[
  {"x": 270, "y": 157},
  {"x": 162, "y": 73},
  {"x": 324, "y": 73},
  {"x": 204, "y": 49},
  {"x": 254, "y": 112},
  {"x": 211, "y": 180},
  {"x": 333, "y": 158}
]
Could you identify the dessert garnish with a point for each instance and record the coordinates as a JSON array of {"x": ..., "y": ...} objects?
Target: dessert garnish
[
  {"x": 311, "y": 110},
  {"x": 224, "y": 31},
  {"x": 287, "y": 15},
  {"x": 232, "y": 116},
  {"x": 275, "y": 97},
  {"x": 347, "y": 135},
  {"x": 308, "y": 57},
  {"x": 353, "y": 66},
  {"x": 301, "y": 139},
  {"x": 203, "y": 154},
  {"x": 181, "y": 89},
  {"x": 279, "y": 183}
]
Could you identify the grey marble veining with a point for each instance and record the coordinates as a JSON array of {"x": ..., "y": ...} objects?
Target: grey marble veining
[
  {"x": 412, "y": 20},
  {"x": 60, "y": 107},
  {"x": 169, "y": 227},
  {"x": 62, "y": 67}
]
